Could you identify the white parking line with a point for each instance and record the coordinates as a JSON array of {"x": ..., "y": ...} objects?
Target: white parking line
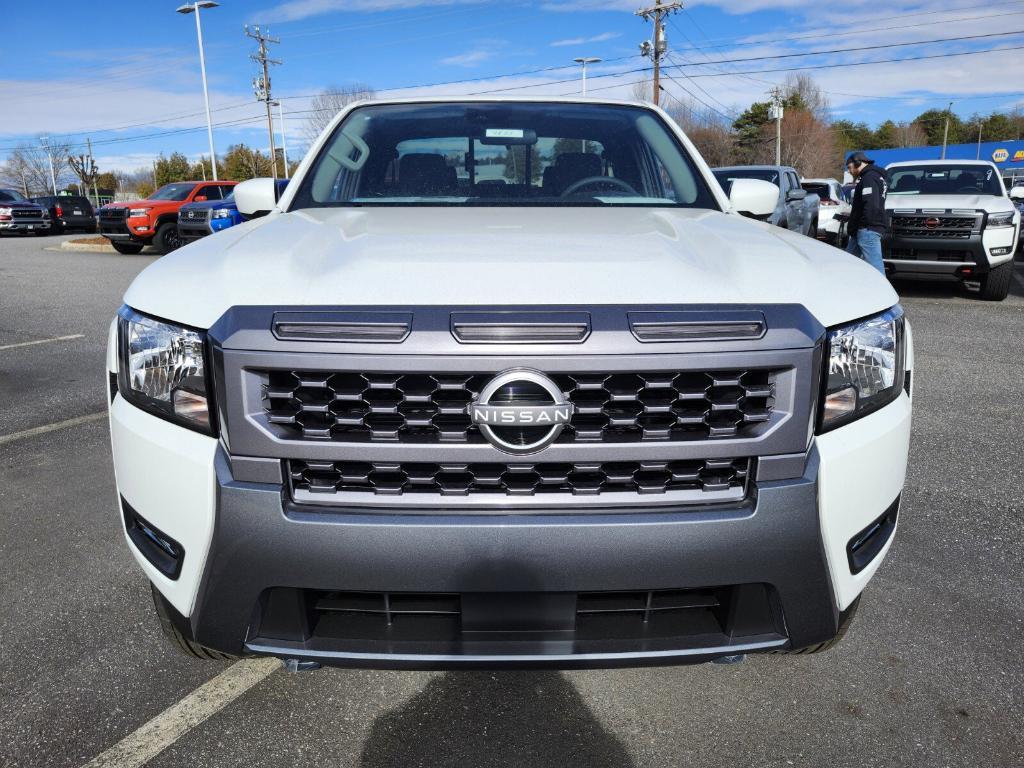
[
  {"x": 154, "y": 737},
  {"x": 52, "y": 427},
  {"x": 42, "y": 341}
]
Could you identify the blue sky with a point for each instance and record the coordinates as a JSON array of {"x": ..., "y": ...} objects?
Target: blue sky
[{"x": 126, "y": 74}]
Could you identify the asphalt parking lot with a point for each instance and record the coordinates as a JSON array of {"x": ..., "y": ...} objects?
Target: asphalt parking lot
[{"x": 930, "y": 674}]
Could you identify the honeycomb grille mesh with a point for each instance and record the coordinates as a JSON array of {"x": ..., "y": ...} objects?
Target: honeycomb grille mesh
[
  {"x": 587, "y": 479},
  {"x": 426, "y": 408}
]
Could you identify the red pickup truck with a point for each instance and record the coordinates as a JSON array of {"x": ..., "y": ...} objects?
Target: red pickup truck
[{"x": 154, "y": 221}]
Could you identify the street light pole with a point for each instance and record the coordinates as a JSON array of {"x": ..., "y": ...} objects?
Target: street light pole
[
  {"x": 583, "y": 61},
  {"x": 194, "y": 8}
]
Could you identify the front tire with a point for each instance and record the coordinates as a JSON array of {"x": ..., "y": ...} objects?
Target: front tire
[
  {"x": 128, "y": 249},
  {"x": 995, "y": 286},
  {"x": 177, "y": 638},
  {"x": 166, "y": 238},
  {"x": 845, "y": 620}
]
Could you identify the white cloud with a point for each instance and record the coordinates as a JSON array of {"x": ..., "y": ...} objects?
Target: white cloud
[
  {"x": 296, "y": 10},
  {"x": 469, "y": 58},
  {"x": 582, "y": 40}
]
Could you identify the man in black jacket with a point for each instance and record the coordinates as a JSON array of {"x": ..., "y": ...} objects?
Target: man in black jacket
[{"x": 867, "y": 215}]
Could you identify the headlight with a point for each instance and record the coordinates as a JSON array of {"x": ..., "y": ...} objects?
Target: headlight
[
  {"x": 5, "y": 211},
  {"x": 162, "y": 369},
  {"x": 864, "y": 368},
  {"x": 46, "y": 214},
  {"x": 222, "y": 213},
  {"x": 137, "y": 212},
  {"x": 1000, "y": 219}
]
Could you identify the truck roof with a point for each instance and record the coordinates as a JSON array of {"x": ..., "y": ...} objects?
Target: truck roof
[
  {"x": 765, "y": 167},
  {"x": 979, "y": 163},
  {"x": 505, "y": 98}
]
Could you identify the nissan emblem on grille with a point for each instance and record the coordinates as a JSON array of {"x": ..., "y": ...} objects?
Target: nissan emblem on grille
[{"x": 521, "y": 411}]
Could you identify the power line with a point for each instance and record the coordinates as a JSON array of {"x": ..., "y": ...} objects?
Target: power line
[
  {"x": 808, "y": 53},
  {"x": 745, "y": 40}
]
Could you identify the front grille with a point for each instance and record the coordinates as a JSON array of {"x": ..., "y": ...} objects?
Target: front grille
[
  {"x": 113, "y": 214},
  {"x": 26, "y": 213},
  {"x": 426, "y": 408},
  {"x": 934, "y": 227},
  {"x": 709, "y": 476},
  {"x": 195, "y": 215}
]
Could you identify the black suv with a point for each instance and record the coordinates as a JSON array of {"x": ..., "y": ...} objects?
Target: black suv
[{"x": 68, "y": 212}]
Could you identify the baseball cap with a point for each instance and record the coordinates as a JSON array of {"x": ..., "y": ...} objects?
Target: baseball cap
[{"x": 859, "y": 157}]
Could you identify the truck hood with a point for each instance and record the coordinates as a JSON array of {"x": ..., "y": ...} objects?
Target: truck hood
[
  {"x": 989, "y": 203},
  {"x": 506, "y": 256}
]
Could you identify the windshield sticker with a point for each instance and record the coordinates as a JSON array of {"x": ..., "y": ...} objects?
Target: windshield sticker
[{"x": 504, "y": 133}]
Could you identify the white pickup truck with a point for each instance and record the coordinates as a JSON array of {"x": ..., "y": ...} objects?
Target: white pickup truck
[
  {"x": 952, "y": 220},
  {"x": 508, "y": 383}
]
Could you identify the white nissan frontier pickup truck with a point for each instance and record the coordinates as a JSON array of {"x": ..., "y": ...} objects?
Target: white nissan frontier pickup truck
[{"x": 508, "y": 383}]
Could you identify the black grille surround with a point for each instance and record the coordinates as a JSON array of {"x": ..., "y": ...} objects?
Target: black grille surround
[
  {"x": 710, "y": 477},
  {"x": 433, "y": 408}
]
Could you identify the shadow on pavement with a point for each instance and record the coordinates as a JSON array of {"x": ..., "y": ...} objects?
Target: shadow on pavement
[{"x": 494, "y": 719}]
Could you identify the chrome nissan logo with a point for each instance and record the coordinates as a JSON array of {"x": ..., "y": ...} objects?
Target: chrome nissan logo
[{"x": 521, "y": 411}]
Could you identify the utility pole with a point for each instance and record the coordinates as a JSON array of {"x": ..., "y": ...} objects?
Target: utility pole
[
  {"x": 659, "y": 46},
  {"x": 45, "y": 141},
  {"x": 945, "y": 132},
  {"x": 776, "y": 112},
  {"x": 261, "y": 84}
]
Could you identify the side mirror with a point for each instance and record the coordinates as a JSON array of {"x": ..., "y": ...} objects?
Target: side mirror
[
  {"x": 255, "y": 197},
  {"x": 796, "y": 194},
  {"x": 754, "y": 197},
  {"x": 199, "y": 199},
  {"x": 1017, "y": 193}
]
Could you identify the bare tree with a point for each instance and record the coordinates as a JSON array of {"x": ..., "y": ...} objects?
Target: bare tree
[
  {"x": 329, "y": 103},
  {"x": 28, "y": 168},
  {"x": 86, "y": 170},
  {"x": 910, "y": 135},
  {"x": 642, "y": 90}
]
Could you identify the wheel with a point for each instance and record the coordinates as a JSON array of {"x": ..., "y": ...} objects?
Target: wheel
[
  {"x": 845, "y": 620},
  {"x": 166, "y": 238},
  {"x": 176, "y": 637},
  {"x": 996, "y": 284},
  {"x": 127, "y": 248}
]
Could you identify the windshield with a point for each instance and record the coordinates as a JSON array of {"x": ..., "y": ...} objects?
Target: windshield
[
  {"x": 944, "y": 180},
  {"x": 503, "y": 154},
  {"x": 173, "y": 192},
  {"x": 11, "y": 196}
]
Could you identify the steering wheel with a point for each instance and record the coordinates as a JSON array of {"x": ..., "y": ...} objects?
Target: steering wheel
[{"x": 576, "y": 186}]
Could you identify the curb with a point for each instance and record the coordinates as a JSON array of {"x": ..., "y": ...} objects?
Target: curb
[{"x": 71, "y": 245}]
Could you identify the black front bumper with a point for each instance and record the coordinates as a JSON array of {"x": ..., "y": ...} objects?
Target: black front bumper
[
  {"x": 193, "y": 230},
  {"x": 924, "y": 256},
  {"x": 518, "y": 578}
]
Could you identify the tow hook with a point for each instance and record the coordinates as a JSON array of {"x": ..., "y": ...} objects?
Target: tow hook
[
  {"x": 737, "y": 658},
  {"x": 298, "y": 665}
]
